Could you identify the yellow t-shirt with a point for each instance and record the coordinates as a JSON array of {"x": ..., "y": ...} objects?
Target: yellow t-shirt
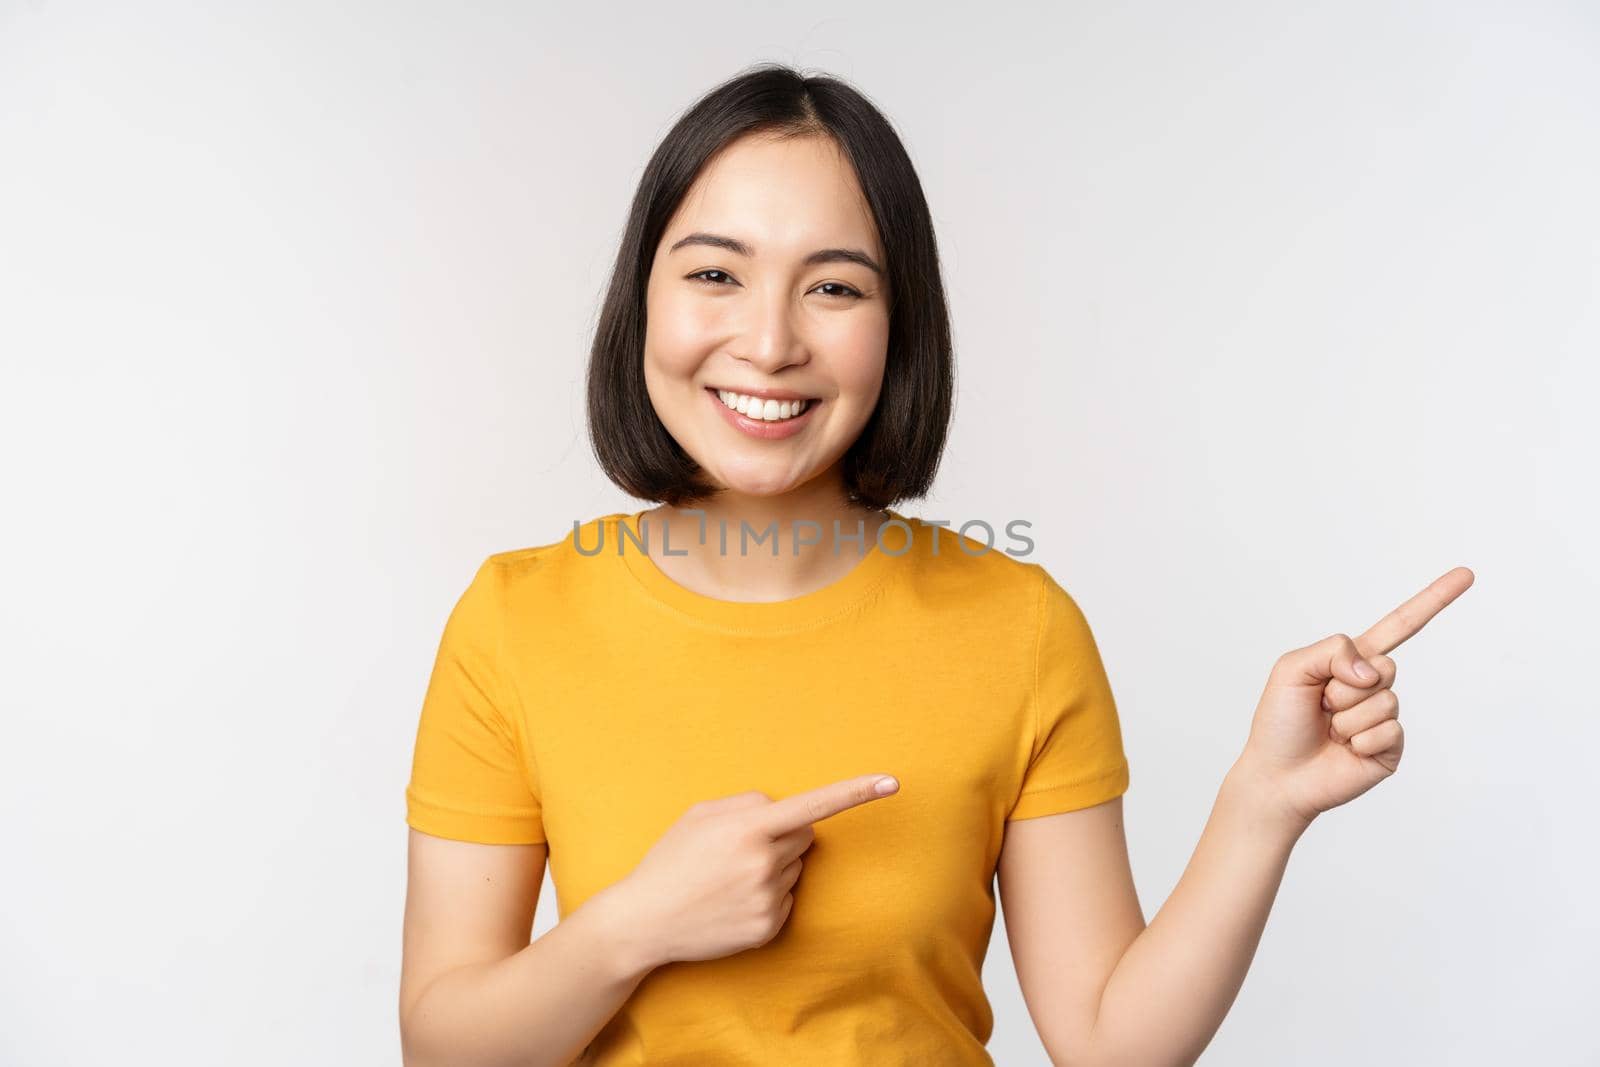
[{"x": 587, "y": 700}]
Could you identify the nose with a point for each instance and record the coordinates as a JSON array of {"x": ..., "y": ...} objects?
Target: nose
[{"x": 771, "y": 340}]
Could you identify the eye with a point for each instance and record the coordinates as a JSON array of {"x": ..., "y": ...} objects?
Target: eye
[
  {"x": 848, "y": 291},
  {"x": 704, "y": 277}
]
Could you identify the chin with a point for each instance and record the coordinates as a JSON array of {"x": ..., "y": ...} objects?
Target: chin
[
  {"x": 757, "y": 485},
  {"x": 760, "y": 489}
]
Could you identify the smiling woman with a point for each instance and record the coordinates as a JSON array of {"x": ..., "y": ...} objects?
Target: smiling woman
[
  {"x": 780, "y": 242},
  {"x": 684, "y": 732},
  {"x": 798, "y": 312}
]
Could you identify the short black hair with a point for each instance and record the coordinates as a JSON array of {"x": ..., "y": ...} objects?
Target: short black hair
[{"x": 898, "y": 451}]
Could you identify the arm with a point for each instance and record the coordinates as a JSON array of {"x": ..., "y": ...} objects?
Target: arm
[
  {"x": 473, "y": 991},
  {"x": 1173, "y": 986},
  {"x": 1326, "y": 731},
  {"x": 1103, "y": 987}
]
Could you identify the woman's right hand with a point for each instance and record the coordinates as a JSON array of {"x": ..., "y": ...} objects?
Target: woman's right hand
[{"x": 719, "y": 880}]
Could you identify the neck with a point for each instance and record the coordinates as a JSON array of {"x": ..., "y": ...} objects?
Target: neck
[{"x": 749, "y": 571}]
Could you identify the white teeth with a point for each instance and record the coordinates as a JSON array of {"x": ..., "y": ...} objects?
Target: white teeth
[{"x": 765, "y": 410}]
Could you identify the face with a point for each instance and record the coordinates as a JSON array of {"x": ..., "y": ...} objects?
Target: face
[{"x": 764, "y": 283}]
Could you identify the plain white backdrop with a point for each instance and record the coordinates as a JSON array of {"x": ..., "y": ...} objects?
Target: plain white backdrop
[{"x": 1266, "y": 316}]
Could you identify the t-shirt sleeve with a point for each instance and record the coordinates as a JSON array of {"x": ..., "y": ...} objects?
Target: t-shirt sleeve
[
  {"x": 1077, "y": 758},
  {"x": 469, "y": 778}
]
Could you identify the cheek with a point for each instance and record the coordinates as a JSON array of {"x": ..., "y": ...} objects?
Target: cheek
[
  {"x": 857, "y": 352},
  {"x": 677, "y": 333}
]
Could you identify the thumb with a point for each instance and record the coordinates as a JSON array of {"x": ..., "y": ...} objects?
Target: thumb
[{"x": 1333, "y": 657}]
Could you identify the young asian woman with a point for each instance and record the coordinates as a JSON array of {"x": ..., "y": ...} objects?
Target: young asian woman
[{"x": 693, "y": 733}]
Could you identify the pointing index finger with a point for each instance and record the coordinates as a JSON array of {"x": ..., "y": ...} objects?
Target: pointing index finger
[
  {"x": 1395, "y": 628},
  {"x": 814, "y": 805}
]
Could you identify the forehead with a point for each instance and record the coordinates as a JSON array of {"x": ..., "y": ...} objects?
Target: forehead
[{"x": 781, "y": 196}]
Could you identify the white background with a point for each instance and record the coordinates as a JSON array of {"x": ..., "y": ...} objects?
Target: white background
[{"x": 1266, "y": 316}]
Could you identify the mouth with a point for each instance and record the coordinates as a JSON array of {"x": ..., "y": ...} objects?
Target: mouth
[
  {"x": 764, "y": 418},
  {"x": 762, "y": 408}
]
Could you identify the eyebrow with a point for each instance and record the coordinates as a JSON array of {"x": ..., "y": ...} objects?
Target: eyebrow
[{"x": 821, "y": 255}]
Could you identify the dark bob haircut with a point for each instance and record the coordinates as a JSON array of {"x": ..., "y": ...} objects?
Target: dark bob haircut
[{"x": 898, "y": 451}]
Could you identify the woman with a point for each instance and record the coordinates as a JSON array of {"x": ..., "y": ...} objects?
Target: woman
[{"x": 693, "y": 727}]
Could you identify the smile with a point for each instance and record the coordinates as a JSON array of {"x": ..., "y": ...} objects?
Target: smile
[
  {"x": 755, "y": 407},
  {"x": 763, "y": 417}
]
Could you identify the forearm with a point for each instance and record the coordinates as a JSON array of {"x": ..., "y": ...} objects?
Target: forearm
[
  {"x": 1174, "y": 985},
  {"x": 537, "y": 1008}
]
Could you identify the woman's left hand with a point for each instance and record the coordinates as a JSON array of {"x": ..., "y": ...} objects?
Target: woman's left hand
[{"x": 1324, "y": 732}]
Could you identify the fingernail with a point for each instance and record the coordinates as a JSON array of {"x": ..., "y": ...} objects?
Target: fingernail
[
  {"x": 1364, "y": 671},
  {"x": 885, "y": 786}
]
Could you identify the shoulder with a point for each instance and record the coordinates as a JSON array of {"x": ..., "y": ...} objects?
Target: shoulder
[
  {"x": 989, "y": 572},
  {"x": 537, "y": 567},
  {"x": 980, "y": 568}
]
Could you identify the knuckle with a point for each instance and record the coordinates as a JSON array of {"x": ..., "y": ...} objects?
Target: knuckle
[
  {"x": 746, "y": 828},
  {"x": 763, "y": 865},
  {"x": 744, "y": 845},
  {"x": 752, "y": 877},
  {"x": 764, "y": 924}
]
